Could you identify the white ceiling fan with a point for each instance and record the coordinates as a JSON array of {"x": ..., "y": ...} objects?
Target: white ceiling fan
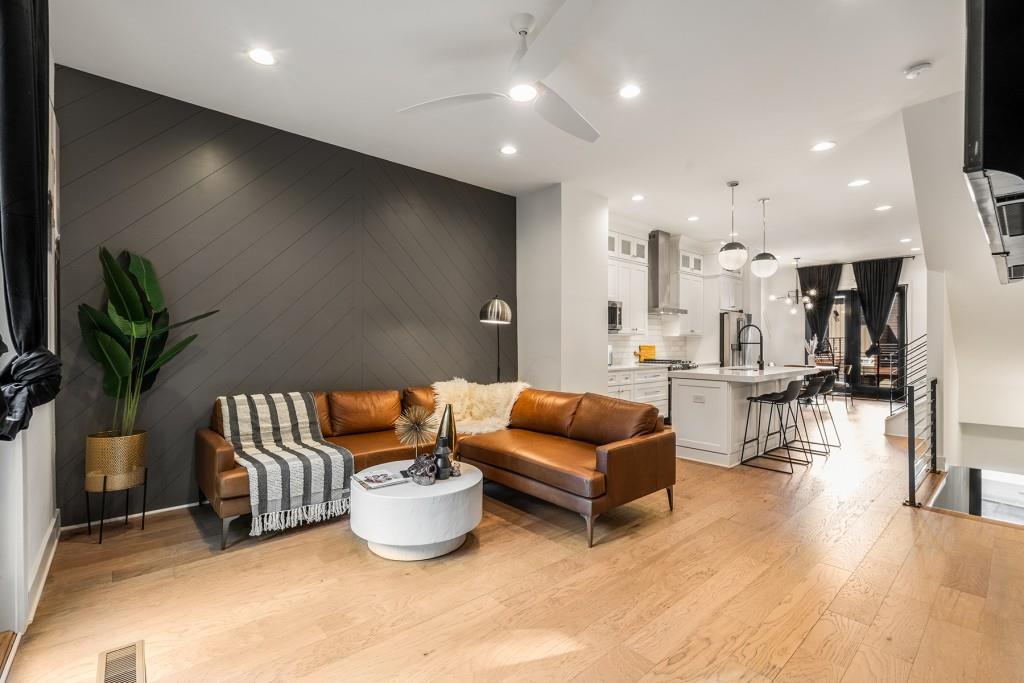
[{"x": 532, "y": 63}]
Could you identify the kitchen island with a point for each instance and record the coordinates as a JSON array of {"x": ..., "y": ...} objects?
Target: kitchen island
[{"x": 709, "y": 409}]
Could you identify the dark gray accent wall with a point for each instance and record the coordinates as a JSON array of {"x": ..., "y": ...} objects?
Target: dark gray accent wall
[{"x": 332, "y": 269}]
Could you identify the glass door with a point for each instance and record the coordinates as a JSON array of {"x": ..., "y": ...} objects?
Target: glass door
[{"x": 849, "y": 340}]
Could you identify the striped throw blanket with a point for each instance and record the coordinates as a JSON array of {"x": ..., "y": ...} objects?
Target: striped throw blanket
[{"x": 295, "y": 476}]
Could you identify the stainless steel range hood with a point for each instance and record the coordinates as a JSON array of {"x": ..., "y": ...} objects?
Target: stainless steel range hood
[{"x": 663, "y": 274}]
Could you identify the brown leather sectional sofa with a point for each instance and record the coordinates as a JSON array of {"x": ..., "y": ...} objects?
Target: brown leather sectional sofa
[{"x": 583, "y": 452}]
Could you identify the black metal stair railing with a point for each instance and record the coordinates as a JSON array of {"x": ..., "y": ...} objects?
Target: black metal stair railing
[
  {"x": 922, "y": 437},
  {"x": 911, "y": 372}
]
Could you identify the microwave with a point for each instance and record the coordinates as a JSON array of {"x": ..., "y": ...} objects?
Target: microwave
[{"x": 615, "y": 316}]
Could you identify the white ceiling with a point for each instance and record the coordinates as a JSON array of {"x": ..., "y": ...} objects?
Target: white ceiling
[{"x": 732, "y": 89}]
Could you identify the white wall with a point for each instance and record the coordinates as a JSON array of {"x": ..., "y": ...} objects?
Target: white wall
[
  {"x": 983, "y": 324},
  {"x": 783, "y": 331},
  {"x": 561, "y": 288},
  {"x": 29, "y": 521}
]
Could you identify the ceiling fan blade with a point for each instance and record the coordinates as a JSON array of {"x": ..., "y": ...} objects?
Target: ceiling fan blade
[
  {"x": 465, "y": 98},
  {"x": 561, "y": 114},
  {"x": 552, "y": 44}
]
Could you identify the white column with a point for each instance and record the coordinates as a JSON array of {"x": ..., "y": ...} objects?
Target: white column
[{"x": 561, "y": 288}]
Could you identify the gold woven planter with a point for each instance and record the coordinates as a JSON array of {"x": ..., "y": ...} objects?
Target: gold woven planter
[{"x": 121, "y": 459}]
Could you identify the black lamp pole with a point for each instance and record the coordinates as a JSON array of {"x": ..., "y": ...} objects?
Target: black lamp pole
[{"x": 496, "y": 312}]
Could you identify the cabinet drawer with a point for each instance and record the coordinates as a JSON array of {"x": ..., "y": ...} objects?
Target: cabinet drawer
[
  {"x": 619, "y": 378},
  {"x": 648, "y": 393},
  {"x": 655, "y": 375}
]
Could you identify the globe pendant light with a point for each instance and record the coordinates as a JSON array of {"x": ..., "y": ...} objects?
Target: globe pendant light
[
  {"x": 733, "y": 255},
  {"x": 764, "y": 264}
]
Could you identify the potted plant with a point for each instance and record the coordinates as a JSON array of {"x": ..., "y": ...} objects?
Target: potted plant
[{"x": 129, "y": 340}]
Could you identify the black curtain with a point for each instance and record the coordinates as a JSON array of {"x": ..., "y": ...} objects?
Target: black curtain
[
  {"x": 877, "y": 281},
  {"x": 825, "y": 281},
  {"x": 32, "y": 377}
]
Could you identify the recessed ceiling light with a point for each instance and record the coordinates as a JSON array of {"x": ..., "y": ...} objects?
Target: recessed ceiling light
[
  {"x": 916, "y": 70},
  {"x": 629, "y": 91},
  {"x": 693, "y": 219},
  {"x": 915, "y": 249},
  {"x": 859, "y": 182},
  {"x": 906, "y": 240},
  {"x": 508, "y": 150},
  {"x": 823, "y": 146},
  {"x": 883, "y": 207},
  {"x": 524, "y": 92},
  {"x": 261, "y": 56},
  {"x": 637, "y": 198}
]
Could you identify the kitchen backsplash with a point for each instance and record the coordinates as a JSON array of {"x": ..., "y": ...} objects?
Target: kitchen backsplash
[{"x": 624, "y": 345}]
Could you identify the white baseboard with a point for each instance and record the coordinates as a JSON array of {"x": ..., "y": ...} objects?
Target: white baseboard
[
  {"x": 149, "y": 513},
  {"x": 43, "y": 562}
]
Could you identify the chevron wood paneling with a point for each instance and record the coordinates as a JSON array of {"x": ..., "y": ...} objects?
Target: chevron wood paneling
[{"x": 331, "y": 269}]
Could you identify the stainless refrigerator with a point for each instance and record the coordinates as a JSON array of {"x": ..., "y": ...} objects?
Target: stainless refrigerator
[{"x": 730, "y": 353}]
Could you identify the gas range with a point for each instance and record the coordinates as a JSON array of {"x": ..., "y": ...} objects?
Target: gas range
[{"x": 672, "y": 363}]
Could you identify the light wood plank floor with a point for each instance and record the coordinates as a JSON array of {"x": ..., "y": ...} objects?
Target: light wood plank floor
[{"x": 821, "y": 576}]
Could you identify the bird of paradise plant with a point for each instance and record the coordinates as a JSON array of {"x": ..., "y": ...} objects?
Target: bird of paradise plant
[{"x": 129, "y": 337}]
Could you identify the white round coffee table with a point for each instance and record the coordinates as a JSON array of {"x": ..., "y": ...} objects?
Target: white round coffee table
[{"x": 412, "y": 522}]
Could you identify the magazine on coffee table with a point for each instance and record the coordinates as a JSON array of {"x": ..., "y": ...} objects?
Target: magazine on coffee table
[{"x": 380, "y": 479}]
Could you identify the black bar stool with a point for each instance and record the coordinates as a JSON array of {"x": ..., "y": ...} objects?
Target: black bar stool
[
  {"x": 779, "y": 403},
  {"x": 809, "y": 397},
  {"x": 827, "y": 391}
]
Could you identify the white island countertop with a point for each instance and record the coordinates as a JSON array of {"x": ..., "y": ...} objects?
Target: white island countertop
[{"x": 748, "y": 375}]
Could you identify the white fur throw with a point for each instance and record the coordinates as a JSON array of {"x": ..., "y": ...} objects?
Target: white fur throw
[{"x": 478, "y": 408}]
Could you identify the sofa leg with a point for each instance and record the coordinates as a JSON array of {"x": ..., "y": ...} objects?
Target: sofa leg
[
  {"x": 589, "y": 519},
  {"x": 669, "y": 492},
  {"x": 224, "y": 524}
]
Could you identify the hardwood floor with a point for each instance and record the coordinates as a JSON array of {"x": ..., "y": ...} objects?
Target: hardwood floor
[{"x": 820, "y": 576}]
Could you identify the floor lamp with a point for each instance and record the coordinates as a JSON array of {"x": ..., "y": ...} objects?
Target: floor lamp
[{"x": 496, "y": 312}]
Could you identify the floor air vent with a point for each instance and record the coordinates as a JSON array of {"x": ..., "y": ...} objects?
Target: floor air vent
[{"x": 122, "y": 665}]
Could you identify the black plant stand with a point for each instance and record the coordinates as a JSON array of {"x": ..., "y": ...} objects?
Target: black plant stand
[{"x": 103, "y": 503}]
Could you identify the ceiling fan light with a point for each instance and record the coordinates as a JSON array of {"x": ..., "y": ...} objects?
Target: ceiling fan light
[
  {"x": 732, "y": 256},
  {"x": 764, "y": 265},
  {"x": 523, "y": 92}
]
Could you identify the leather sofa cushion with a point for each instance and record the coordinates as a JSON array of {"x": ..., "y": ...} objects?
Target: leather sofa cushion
[
  {"x": 418, "y": 396},
  {"x": 554, "y": 460},
  {"x": 373, "y": 448},
  {"x": 355, "y": 412},
  {"x": 602, "y": 419},
  {"x": 550, "y": 412},
  {"x": 319, "y": 400}
]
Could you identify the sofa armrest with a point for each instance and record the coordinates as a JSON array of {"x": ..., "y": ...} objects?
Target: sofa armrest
[
  {"x": 213, "y": 455},
  {"x": 638, "y": 466}
]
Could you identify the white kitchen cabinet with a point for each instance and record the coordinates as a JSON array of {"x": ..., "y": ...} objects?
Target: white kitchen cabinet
[
  {"x": 627, "y": 247},
  {"x": 691, "y": 299},
  {"x": 645, "y": 384},
  {"x": 730, "y": 293},
  {"x": 627, "y": 283},
  {"x": 691, "y": 263},
  {"x": 637, "y": 299}
]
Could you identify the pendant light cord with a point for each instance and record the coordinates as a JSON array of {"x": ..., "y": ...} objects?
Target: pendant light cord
[
  {"x": 764, "y": 226},
  {"x": 732, "y": 219}
]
